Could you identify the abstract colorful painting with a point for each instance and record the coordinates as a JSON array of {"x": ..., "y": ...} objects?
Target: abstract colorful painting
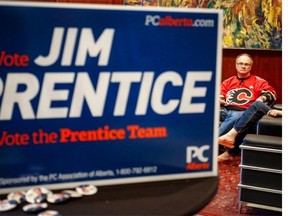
[{"x": 250, "y": 24}]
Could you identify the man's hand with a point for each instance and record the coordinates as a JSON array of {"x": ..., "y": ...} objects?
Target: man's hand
[
  {"x": 222, "y": 102},
  {"x": 262, "y": 98}
]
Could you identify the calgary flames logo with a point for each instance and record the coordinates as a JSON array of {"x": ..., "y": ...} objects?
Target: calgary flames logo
[{"x": 239, "y": 96}]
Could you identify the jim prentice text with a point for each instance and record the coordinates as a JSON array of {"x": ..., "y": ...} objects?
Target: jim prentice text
[{"x": 151, "y": 85}]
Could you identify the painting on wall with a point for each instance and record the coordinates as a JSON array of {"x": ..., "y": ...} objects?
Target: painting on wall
[{"x": 249, "y": 24}]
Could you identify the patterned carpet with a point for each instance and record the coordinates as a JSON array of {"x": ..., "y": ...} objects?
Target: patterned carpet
[{"x": 225, "y": 202}]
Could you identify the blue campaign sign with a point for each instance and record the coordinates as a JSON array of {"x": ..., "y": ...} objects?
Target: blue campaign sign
[{"x": 107, "y": 94}]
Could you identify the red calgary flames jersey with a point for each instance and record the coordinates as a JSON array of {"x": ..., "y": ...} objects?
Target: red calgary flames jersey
[{"x": 241, "y": 93}]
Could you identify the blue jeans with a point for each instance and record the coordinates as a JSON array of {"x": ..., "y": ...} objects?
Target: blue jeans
[
  {"x": 247, "y": 123},
  {"x": 228, "y": 118},
  {"x": 251, "y": 116}
]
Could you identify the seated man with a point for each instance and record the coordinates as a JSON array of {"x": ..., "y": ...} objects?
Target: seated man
[{"x": 238, "y": 92}]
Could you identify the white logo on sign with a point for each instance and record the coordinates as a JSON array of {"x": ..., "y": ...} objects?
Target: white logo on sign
[{"x": 196, "y": 152}]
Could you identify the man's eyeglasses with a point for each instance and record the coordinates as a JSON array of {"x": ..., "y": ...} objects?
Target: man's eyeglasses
[{"x": 243, "y": 64}]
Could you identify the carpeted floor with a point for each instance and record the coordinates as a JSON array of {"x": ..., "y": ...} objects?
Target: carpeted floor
[{"x": 225, "y": 202}]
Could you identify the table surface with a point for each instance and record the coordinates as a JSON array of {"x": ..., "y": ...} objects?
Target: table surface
[{"x": 174, "y": 197}]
